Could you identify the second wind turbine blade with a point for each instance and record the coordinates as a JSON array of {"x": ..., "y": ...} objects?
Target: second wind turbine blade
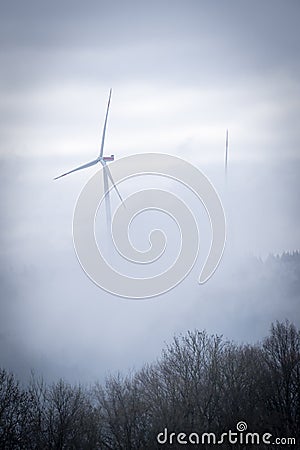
[{"x": 84, "y": 166}]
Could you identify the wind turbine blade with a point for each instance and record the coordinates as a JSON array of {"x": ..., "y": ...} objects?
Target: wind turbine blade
[
  {"x": 104, "y": 128},
  {"x": 107, "y": 171},
  {"x": 92, "y": 163}
]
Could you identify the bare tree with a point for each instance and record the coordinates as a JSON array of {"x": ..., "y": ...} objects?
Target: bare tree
[
  {"x": 123, "y": 412},
  {"x": 182, "y": 390},
  {"x": 282, "y": 359},
  {"x": 62, "y": 417},
  {"x": 13, "y": 413},
  {"x": 243, "y": 387}
]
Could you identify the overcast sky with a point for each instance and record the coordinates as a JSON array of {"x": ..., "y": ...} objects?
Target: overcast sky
[{"x": 181, "y": 73}]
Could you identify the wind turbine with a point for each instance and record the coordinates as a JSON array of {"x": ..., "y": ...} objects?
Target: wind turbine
[
  {"x": 101, "y": 159},
  {"x": 226, "y": 153}
]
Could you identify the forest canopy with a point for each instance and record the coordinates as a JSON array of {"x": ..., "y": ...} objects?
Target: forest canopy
[{"x": 201, "y": 383}]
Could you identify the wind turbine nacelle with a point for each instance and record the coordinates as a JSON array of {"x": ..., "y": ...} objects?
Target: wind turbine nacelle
[{"x": 109, "y": 158}]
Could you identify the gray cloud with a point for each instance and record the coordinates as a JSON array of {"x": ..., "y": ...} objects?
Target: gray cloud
[{"x": 194, "y": 42}]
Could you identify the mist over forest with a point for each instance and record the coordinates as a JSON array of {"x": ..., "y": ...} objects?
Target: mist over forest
[
  {"x": 199, "y": 389},
  {"x": 199, "y": 383}
]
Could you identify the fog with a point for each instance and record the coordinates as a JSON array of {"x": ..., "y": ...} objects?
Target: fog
[{"x": 181, "y": 75}]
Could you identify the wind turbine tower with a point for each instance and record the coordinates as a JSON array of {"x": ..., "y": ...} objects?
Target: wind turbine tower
[{"x": 226, "y": 154}]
